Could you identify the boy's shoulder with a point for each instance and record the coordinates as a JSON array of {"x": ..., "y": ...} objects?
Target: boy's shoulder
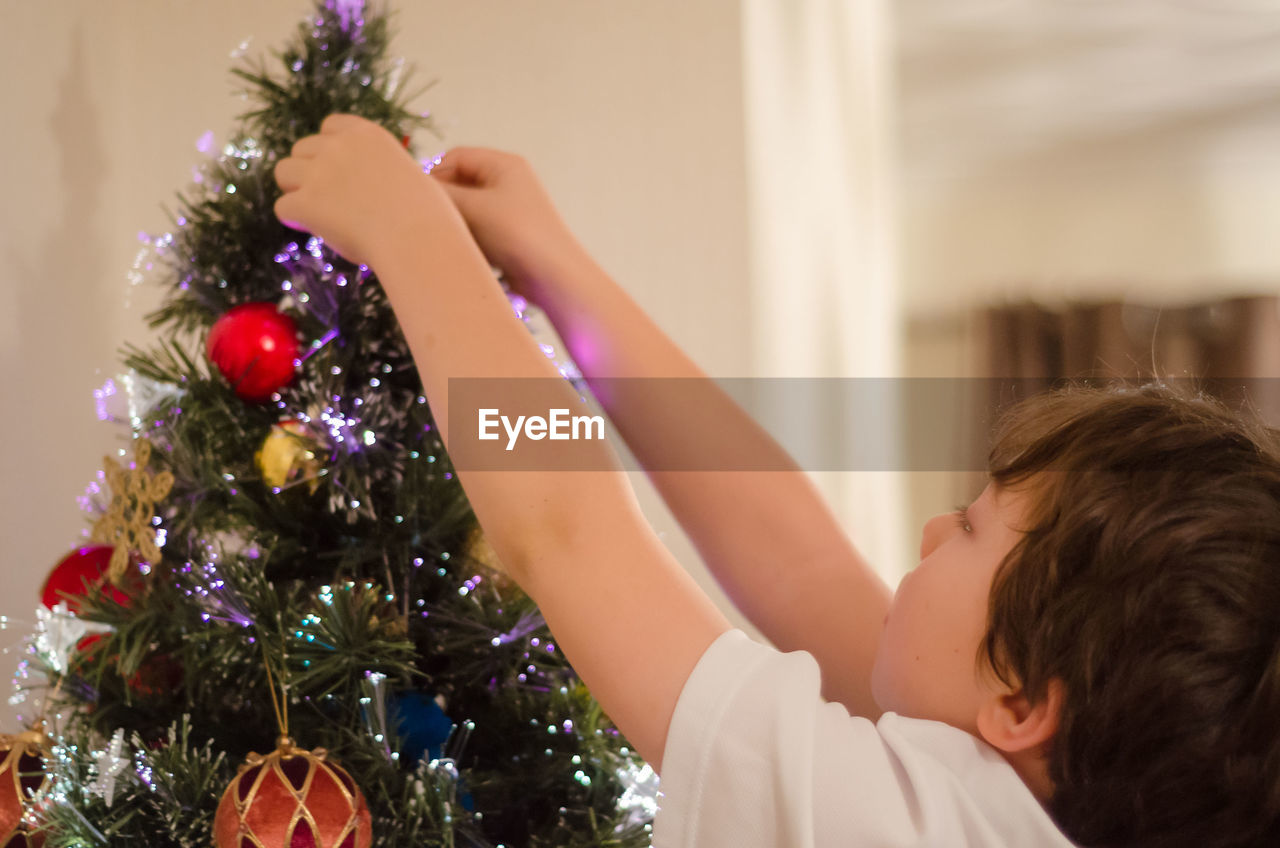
[
  {"x": 944, "y": 745},
  {"x": 754, "y": 754},
  {"x": 954, "y": 762}
]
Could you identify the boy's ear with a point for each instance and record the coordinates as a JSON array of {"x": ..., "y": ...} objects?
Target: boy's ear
[{"x": 1007, "y": 720}]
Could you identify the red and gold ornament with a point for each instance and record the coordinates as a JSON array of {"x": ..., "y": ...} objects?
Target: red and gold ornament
[
  {"x": 22, "y": 778},
  {"x": 292, "y": 797},
  {"x": 254, "y": 345}
]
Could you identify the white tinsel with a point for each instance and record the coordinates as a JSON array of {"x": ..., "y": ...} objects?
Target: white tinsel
[
  {"x": 129, "y": 396},
  {"x": 640, "y": 799},
  {"x": 57, "y": 633}
]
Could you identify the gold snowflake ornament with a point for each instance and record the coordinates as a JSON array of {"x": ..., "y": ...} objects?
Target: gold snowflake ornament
[{"x": 127, "y": 522}]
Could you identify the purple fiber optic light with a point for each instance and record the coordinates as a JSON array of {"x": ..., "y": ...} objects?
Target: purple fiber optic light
[
  {"x": 324, "y": 340},
  {"x": 100, "y": 398},
  {"x": 528, "y": 623},
  {"x": 206, "y": 143}
]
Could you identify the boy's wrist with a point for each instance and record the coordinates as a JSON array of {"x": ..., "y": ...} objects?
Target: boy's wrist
[
  {"x": 423, "y": 211},
  {"x": 552, "y": 276}
]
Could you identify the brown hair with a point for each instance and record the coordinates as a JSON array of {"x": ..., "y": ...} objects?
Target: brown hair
[{"x": 1148, "y": 583}]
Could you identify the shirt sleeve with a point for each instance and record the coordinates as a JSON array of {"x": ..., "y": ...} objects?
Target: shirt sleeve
[{"x": 755, "y": 757}]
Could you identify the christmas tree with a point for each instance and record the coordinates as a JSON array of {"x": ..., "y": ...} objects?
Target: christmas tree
[{"x": 282, "y": 560}]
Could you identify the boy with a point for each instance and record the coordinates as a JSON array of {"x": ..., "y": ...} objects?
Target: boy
[{"x": 1089, "y": 649}]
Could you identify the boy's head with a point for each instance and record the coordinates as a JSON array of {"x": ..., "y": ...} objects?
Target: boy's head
[{"x": 1119, "y": 580}]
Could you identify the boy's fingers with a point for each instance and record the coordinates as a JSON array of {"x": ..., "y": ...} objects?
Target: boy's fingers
[
  {"x": 440, "y": 169},
  {"x": 288, "y": 209},
  {"x": 290, "y": 173},
  {"x": 468, "y": 164},
  {"x": 338, "y": 122},
  {"x": 307, "y": 146},
  {"x": 446, "y": 170}
]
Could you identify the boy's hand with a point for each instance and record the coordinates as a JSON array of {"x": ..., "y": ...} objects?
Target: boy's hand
[
  {"x": 355, "y": 186},
  {"x": 508, "y": 212}
]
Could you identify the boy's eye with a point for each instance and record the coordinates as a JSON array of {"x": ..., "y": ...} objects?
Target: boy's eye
[{"x": 962, "y": 518}]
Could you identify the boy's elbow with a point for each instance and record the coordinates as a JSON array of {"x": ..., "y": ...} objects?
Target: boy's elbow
[{"x": 570, "y": 525}]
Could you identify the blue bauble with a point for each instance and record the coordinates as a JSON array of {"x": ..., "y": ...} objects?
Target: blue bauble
[
  {"x": 423, "y": 729},
  {"x": 422, "y": 725}
]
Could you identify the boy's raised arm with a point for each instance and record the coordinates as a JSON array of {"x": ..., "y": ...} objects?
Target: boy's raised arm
[
  {"x": 626, "y": 615},
  {"x": 768, "y": 537},
  {"x": 623, "y": 611}
]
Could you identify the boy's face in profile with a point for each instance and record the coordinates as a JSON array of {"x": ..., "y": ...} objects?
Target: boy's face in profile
[{"x": 925, "y": 664}]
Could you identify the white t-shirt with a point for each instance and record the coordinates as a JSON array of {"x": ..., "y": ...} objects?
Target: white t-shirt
[{"x": 755, "y": 757}]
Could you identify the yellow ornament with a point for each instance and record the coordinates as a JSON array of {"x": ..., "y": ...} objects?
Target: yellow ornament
[
  {"x": 290, "y": 455},
  {"x": 127, "y": 523}
]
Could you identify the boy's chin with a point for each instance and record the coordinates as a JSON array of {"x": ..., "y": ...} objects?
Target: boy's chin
[
  {"x": 893, "y": 693},
  {"x": 881, "y": 692}
]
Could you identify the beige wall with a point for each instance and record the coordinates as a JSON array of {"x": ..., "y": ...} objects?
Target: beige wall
[
  {"x": 1178, "y": 210},
  {"x": 1173, "y": 213},
  {"x": 630, "y": 110}
]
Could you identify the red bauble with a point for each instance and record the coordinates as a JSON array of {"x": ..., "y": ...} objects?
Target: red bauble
[
  {"x": 294, "y": 798},
  {"x": 254, "y": 345},
  {"x": 80, "y": 572},
  {"x": 159, "y": 675}
]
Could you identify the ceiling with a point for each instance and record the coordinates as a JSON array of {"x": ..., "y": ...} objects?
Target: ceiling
[{"x": 992, "y": 78}]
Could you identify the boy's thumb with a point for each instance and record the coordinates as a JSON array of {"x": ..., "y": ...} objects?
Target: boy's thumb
[{"x": 466, "y": 165}]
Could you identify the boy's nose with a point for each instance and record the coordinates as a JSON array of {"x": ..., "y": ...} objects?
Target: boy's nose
[{"x": 934, "y": 532}]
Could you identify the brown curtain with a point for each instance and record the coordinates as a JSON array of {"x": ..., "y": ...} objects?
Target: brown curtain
[
  {"x": 1239, "y": 337},
  {"x": 1229, "y": 348}
]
